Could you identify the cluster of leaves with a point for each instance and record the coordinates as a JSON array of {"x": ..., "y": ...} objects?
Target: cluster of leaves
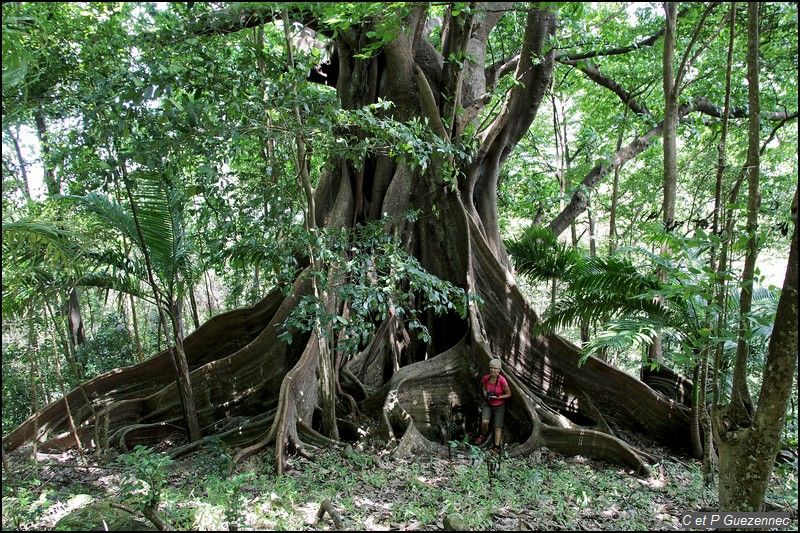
[
  {"x": 147, "y": 479},
  {"x": 371, "y": 273},
  {"x": 632, "y": 306},
  {"x": 375, "y": 132},
  {"x": 382, "y": 17}
]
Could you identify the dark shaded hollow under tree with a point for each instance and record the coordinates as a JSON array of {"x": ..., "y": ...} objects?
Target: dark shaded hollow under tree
[{"x": 252, "y": 390}]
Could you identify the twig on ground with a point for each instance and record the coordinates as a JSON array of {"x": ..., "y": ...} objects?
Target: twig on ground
[{"x": 327, "y": 506}]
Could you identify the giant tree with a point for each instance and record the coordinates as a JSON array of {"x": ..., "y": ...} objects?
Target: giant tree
[{"x": 392, "y": 69}]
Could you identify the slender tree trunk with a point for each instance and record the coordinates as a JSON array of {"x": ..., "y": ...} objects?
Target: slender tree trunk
[
  {"x": 63, "y": 387},
  {"x": 26, "y": 191},
  {"x": 748, "y": 443},
  {"x": 33, "y": 347},
  {"x": 256, "y": 291},
  {"x": 136, "y": 337},
  {"x": 39, "y": 374},
  {"x": 741, "y": 400},
  {"x": 160, "y": 333},
  {"x": 53, "y": 187},
  {"x": 182, "y": 378},
  {"x": 208, "y": 294},
  {"x": 182, "y": 371},
  {"x": 709, "y": 454},
  {"x": 747, "y": 454},
  {"x": 656, "y": 351},
  {"x": 193, "y": 304},
  {"x": 612, "y": 220},
  {"x": 76, "y": 333}
]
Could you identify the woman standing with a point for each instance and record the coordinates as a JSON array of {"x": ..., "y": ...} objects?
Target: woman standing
[{"x": 495, "y": 392}]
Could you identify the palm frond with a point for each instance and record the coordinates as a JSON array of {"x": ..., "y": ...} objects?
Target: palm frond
[
  {"x": 623, "y": 333},
  {"x": 119, "y": 282},
  {"x": 539, "y": 256},
  {"x": 28, "y": 240},
  {"x": 158, "y": 225},
  {"x": 610, "y": 275},
  {"x": 108, "y": 213}
]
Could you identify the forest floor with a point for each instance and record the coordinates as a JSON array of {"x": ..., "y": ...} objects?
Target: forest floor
[{"x": 370, "y": 490}]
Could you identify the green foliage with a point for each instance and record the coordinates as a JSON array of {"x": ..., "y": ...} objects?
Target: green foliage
[
  {"x": 147, "y": 477},
  {"x": 25, "y": 502},
  {"x": 109, "y": 347},
  {"x": 39, "y": 262},
  {"x": 228, "y": 494},
  {"x": 376, "y": 278},
  {"x": 17, "y": 398},
  {"x": 632, "y": 307}
]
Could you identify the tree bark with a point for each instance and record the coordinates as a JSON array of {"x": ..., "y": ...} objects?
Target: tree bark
[
  {"x": 26, "y": 191},
  {"x": 53, "y": 187},
  {"x": 716, "y": 347},
  {"x": 612, "y": 221},
  {"x": 747, "y": 454},
  {"x": 62, "y": 386},
  {"x": 136, "y": 337},
  {"x": 741, "y": 401},
  {"x": 76, "y": 333}
]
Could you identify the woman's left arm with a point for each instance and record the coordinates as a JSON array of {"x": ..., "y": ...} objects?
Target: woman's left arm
[{"x": 506, "y": 390}]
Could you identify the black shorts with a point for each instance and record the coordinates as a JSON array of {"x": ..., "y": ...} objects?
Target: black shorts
[{"x": 497, "y": 413}]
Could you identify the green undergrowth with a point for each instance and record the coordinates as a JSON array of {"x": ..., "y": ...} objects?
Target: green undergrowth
[{"x": 372, "y": 491}]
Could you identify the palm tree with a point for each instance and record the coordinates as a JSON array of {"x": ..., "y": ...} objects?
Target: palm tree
[{"x": 153, "y": 223}]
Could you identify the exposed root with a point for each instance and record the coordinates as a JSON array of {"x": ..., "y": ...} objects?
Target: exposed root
[
  {"x": 240, "y": 435},
  {"x": 144, "y": 434},
  {"x": 413, "y": 443},
  {"x": 594, "y": 444}
]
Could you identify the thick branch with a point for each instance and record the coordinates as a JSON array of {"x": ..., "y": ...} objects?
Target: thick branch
[
  {"x": 238, "y": 18},
  {"x": 703, "y": 105},
  {"x": 593, "y": 73},
  {"x": 649, "y": 41},
  {"x": 525, "y": 97},
  {"x": 580, "y": 198},
  {"x": 500, "y": 69}
]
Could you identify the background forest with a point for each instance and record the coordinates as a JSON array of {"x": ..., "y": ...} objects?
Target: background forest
[{"x": 161, "y": 163}]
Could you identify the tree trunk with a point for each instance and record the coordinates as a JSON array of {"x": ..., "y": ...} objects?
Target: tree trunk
[
  {"x": 193, "y": 304},
  {"x": 26, "y": 191},
  {"x": 709, "y": 453},
  {"x": 741, "y": 401},
  {"x": 137, "y": 339},
  {"x": 747, "y": 454},
  {"x": 34, "y": 419},
  {"x": 656, "y": 350},
  {"x": 53, "y": 187},
  {"x": 62, "y": 385},
  {"x": 746, "y": 444},
  {"x": 76, "y": 333},
  {"x": 253, "y": 391},
  {"x": 612, "y": 220}
]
